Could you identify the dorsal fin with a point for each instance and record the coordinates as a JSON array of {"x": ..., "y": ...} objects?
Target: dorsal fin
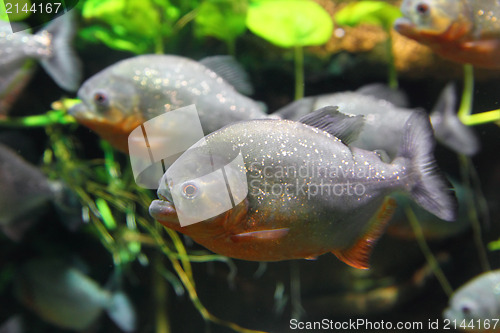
[
  {"x": 329, "y": 119},
  {"x": 381, "y": 91},
  {"x": 358, "y": 255},
  {"x": 230, "y": 70}
]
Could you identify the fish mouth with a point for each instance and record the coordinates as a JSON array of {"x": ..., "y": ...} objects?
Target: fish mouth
[
  {"x": 404, "y": 25},
  {"x": 80, "y": 111},
  {"x": 163, "y": 211}
]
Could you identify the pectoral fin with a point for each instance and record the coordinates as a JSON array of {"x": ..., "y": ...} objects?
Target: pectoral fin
[
  {"x": 260, "y": 236},
  {"x": 358, "y": 255}
]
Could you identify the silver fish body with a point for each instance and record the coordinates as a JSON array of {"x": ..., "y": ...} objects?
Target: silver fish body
[
  {"x": 384, "y": 121},
  {"x": 25, "y": 194},
  {"x": 64, "y": 296},
  {"x": 302, "y": 179},
  {"x": 51, "y": 47},
  {"x": 477, "y": 300},
  {"x": 138, "y": 89}
]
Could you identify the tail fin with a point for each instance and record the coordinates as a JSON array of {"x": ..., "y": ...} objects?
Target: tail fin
[
  {"x": 64, "y": 66},
  {"x": 449, "y": 130},
  {"x": 429, "y": 189},
  {"x": 122, "y": 312}
]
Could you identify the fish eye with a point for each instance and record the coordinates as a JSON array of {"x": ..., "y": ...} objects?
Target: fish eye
[
  {"x": 466, "y": 310},
  {"x": 423, "y": 8},
  {"x": 189, "y": 190},
  {"x": 101, "y": 98}
]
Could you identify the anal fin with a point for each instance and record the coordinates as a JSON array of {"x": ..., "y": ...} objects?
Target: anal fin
[
  {"x": 358, "y": 255},
  {"x": 261, "y": 235}
]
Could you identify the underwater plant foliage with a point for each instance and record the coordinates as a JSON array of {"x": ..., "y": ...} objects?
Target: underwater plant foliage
[
  {"x": 160, "y": 270},
  {"x": 377, "y": 13},
  {"x": 369, "y": 12},
  {"x": 130, "y": 25},
  {"x": 290, "y": 23},
  {"x": 222, "y": 19},
  {"x": 15, "y": 16}
]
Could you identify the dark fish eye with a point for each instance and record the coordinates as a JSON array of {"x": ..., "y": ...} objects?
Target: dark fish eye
[
  {"x": 466, "y": 310},
  {"x": 423, "y": 8},
  {"x": 189, "y": 191},
  {"x": 101, "y": 98}
]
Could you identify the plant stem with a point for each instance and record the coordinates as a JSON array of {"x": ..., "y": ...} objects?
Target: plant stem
[
  {"x": 393, "y": 75},
  {"x": 50, "y": 118},
  {"x": 467, "y": 93},
  {"x": 465, "y": 110},
  {"x": 299, "y": 72},
  {"x": 417, "y": 229},
  {"x": 481, "y": 118},
  {"x": 161, "y": 296},
  {"x": 297, "y": 309},
  {"x": 231, "y": 47},
  {"x": 465, "y": 170},
  {"x": 159, "y": 44}
]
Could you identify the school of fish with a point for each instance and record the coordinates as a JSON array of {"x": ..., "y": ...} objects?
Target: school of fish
[{"x": 323, "y": 174}]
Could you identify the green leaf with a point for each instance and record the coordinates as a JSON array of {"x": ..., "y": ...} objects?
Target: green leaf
[
  {"x": 132, "y": 25},
  {"x": 15, "y": 15},
  {"x": 3, "y": 14},
  {"x": 289, "y": 23},
  {"x": 370, "y": 12},
  {"x": 222, "y": 19},
  {"x": 101, "y": 34},
  {"x": 106, "y": 214},
  {"x": 494, "y": 246}
]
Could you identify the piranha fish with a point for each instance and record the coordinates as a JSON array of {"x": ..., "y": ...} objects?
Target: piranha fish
[
  {"x": 130, "y": 92},
  {"x": 26, "y": 193},
  {"x": 383, "y": 116},
  {"x": 465, "y": 31},
  {"x": 50, "y": 46},
  {"x": 64, "y": 296},
  {"x": 478, "y": 300},
  {"x": 308, "y": 192}
]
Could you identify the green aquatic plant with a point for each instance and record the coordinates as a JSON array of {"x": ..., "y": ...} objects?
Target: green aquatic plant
[
  {"x": 465, "y": 110},
  {"x": 222, "y": 19},
  {"x": 291, "y": 24},
  {"x": 15, "y": 15},
  {"x": 377, "y": 13},
  {"x": 429, "y": 256},
  {"x": 137, "y": 26},
  {"x": 470, "y": 180},
  {"x": 116, "y": 212},
  {"x": 494, "y": 246}
]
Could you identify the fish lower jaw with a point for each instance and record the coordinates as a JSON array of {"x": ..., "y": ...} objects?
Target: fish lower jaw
[{"x": 163, "y": 211}]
